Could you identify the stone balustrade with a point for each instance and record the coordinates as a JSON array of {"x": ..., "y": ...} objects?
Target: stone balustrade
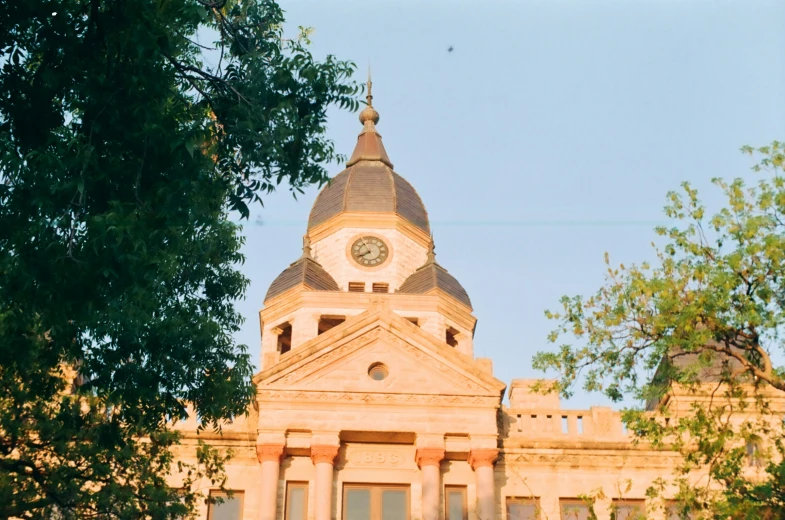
[{"x": 597, "y": 424}]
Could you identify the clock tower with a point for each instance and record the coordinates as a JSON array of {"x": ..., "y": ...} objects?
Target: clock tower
[
  {"x": 367, "y": 362},
  {"x": 368, "y": 242}
]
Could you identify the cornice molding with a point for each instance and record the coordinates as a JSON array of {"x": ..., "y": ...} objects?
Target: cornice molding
[
  {"x": 300, "y": 396},
  {"x": 368, "y": 221}
]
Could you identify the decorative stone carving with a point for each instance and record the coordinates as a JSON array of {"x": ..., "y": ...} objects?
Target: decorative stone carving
[
  {"x": 377, "y": 455},
  {"x": 591, "y": 460},
  {"x": 269, "y": 452},
  {"x": 429, "y": 456},
  {"x": 431, "y": 361},
  {"x": 324, "y": 454},
  {"x": 377, "y": 458},
  {"x": 308, "y": 366},
  {"x": 483, "y": 457}
]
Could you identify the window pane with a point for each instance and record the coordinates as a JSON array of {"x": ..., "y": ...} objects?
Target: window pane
[
  {"x": 629, "y": 512},
  {"x": 358, "y": 504},
  {"x": 521, "y": 511},
  {"x": 574, "y": 511},
  {"x": 296, "y": 504},
  {"x": 674, "y": 513},
  {"x": 394, "y": 504},
  {"x": 454, "y": 504},
  {"x": 229, "y": 509}
]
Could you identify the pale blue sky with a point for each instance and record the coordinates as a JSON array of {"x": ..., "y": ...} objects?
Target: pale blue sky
[{"x": 550, "y": 135}]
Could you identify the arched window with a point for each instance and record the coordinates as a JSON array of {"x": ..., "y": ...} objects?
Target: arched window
[{"x": 754, "y": 452}]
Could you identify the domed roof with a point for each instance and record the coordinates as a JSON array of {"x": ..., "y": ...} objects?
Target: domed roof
[
  {"x": 369, "y": 187},
  {"x": 305, "y": 271},
  {"x": 433, "y": 276},
  {"x": 369, "y": 184}
]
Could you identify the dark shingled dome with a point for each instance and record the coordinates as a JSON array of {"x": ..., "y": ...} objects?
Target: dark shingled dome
[
  {"x": 433, "y": 276},
  {"x": 305, "y": 271},
  {"x": 369, "y": 186}
]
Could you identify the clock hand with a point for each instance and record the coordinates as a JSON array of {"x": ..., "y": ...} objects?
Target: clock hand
[{"x": 367, "y": 249}]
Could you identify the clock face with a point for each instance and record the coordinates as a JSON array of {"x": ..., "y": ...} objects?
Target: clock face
[{"x": 370, "y": 251}]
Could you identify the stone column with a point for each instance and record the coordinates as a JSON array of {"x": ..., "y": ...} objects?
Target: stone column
[
  {"x": 429, "y": 460},
  {"x": 270, "y": 456},
  {"x": 482, "y": 461},
  {"x": 323, "y": 458}
]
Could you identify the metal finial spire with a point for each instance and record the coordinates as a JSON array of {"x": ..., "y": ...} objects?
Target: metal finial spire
[
  {"x": 307, "y": 247},
  {"x": 369, "y": 114},
  {"x": 431, "y": 258},
  {"x": 369, "y": 97}
]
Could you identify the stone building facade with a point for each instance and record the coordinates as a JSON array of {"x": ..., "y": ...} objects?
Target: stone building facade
[{"x": 371, "y": 404}]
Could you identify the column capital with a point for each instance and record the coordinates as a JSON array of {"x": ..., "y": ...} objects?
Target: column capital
[
  {"x": 269, "y": 452},
  {"x": 485, "y": 457},
  {"x": 429, "y": 456},
  {"x": 324, "y": 453}
]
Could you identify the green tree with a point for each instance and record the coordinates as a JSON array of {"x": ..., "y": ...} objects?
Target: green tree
[
  {"x": 705, "y": 320},
  {"x": 130, "y": 130}
]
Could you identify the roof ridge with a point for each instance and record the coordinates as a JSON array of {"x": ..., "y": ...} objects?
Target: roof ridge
[
  {"x": 390, "y": 172},
  {"x": 349, "y": 172}
]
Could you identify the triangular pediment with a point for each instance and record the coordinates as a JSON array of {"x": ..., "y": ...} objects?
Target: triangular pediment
[{"x": 416, "y": 362}]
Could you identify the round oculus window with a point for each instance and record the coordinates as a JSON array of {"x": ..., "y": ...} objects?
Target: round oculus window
[{"x": 377, "y": 371}]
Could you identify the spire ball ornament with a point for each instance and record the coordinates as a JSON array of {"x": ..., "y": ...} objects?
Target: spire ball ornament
[{"x": 369, "y": 113}]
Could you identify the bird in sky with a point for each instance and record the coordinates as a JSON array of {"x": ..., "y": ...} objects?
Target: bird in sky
[{"x": 449, "y": 49}]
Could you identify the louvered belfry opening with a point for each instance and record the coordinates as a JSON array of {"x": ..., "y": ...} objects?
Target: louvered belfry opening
[
  {"x": 379, "y": 287},
  {"x": 356, "y": 286}
]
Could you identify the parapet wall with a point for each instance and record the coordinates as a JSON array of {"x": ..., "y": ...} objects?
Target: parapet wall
[
  {"x": 539, "y": 416},
  {"x": 597, "y": 424}
]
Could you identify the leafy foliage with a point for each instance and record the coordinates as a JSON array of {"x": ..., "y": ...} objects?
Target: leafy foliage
[
  {"x": 697, "y": 337},
  {"x": 125, "y": 142}
]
